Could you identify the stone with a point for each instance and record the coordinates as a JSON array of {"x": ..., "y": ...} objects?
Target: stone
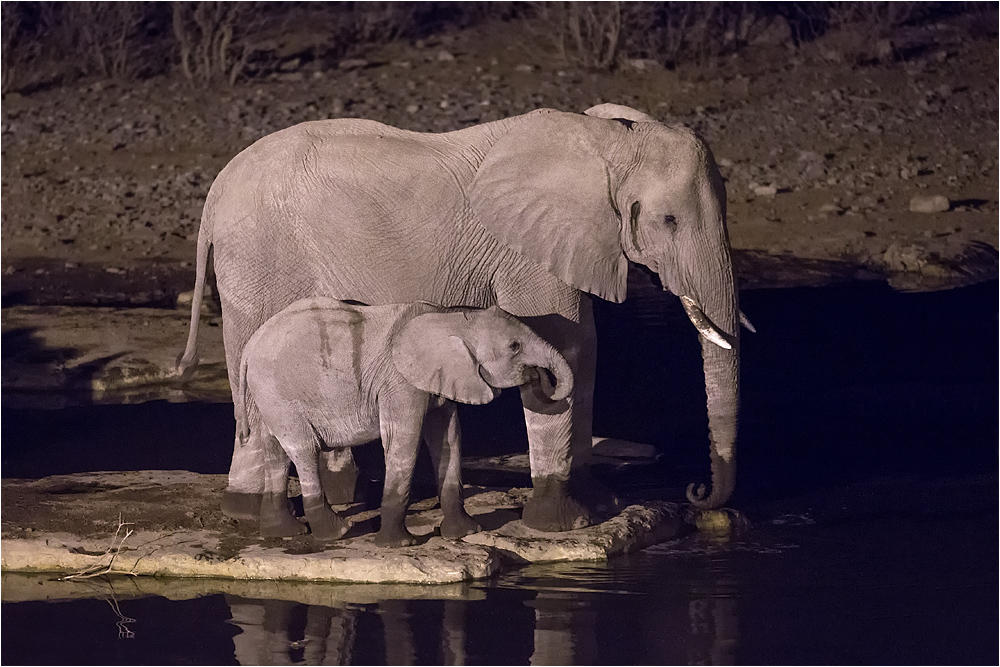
[
  {"x": 168, "y": 523},
  {"x": 353, "y": 63},
  {"x": 644, "y": 64},
  {"x": 444, "y": 56},
  {"x": 524, "y": 68},
  {"x": 929, "y": 204},
  {"x": 904, "y": 258},
  {"x": 765, "y": 190},
  {"x": 637, "y": 527}
]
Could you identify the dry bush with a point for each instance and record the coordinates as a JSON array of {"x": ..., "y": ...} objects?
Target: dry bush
[
  {"x": 671, "y": 32},
  {"x": 598, "y": 34},
  {"x": 379, "y": 22},
  {"x": 349, "y": 25},
  {"x": 215, "y": 39},
  {"x": 108, "y": 35},
  {"x": 110, "y": 39},
  {"x": 15, "y": 48},
  {"x": 865, "y": 27},
  {"x": 581, "y": 33}
]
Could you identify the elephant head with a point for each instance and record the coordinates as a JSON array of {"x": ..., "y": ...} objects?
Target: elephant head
[
  {"x": 582, "y": 195},
  {"x": 468, "y": 355}
]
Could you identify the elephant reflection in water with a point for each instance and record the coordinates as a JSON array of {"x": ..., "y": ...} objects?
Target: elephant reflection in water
[
  {"x": 274, "y": 632},
  {"x": 568, "y": 629},
  {"x": 265, "y": 633}
]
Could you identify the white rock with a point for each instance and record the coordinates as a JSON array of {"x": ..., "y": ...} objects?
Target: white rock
[
  {"x": 765, "y": 191},
  {"x": 525, "y": 68},
  {"x": 444, "y": 56},
  {"x": 644, "y": 64},
  {"x": 929, "y": 204},
  {"x": 353, "y": 63}
]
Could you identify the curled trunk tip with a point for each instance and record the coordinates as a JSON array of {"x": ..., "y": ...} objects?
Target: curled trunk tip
[{"x": 723, "y": 484}]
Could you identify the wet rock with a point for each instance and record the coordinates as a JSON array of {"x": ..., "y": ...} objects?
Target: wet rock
[
  {"x": 929, "y": 204},
  {"x": 179, "y": 531},
  {"x": 904, "y": 258}
]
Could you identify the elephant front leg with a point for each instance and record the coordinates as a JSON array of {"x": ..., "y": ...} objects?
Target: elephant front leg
[
  {"x": 401, "y": 423},
  {"x": 443, "y": 436},
  {"x": 566, "y": 495}
]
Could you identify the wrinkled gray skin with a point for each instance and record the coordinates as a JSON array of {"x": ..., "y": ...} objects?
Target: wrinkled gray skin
[
  {"x": 324, "y": 374},
  {"x": 532, "y": 213}
]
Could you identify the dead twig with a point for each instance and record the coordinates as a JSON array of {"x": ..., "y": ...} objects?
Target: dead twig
[{"x": 113, "y": 550}]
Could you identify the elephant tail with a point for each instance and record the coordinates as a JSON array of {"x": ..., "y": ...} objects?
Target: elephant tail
[
  {"x": 188, "y": 360},
  {"x": 244, "y": 407}
]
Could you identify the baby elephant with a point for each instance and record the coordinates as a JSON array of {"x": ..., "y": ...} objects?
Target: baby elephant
[{"x": 323, "y": 373}]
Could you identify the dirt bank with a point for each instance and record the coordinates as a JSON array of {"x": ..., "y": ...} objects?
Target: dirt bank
[{"x": 103, "y": 183}]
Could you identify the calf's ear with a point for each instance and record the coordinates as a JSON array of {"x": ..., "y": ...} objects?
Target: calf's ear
[{"x": 438, "y": 362}]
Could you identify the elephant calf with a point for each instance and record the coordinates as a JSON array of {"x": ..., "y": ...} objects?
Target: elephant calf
[{"x": 323, "y": 373}]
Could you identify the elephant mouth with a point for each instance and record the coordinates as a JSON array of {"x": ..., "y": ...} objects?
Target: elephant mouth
[
  {"x": 545, "y": 380},
  {"x": 488, "y": 379}
]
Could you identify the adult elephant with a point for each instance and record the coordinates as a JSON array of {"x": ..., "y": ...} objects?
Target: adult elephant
[{"x": 532, "y": 213}]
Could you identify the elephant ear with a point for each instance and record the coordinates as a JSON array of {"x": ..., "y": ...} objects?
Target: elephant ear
[
  {"x": 619, "y": 111},
  {"x": 433, "y": 359},
  {"x": 546, "y": 190}
]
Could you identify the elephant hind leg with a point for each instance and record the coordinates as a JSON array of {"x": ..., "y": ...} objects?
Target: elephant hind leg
[
  {"x": 242, "y": 498},
  {"x": 338, "y": 474},
  {"x": 276, "y": 518},
  {"x": 304, "y": 450}
]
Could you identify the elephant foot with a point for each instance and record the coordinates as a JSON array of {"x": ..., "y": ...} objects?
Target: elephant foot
[
  {"x": 593, "y": 494},
  {"x": 393, "y": 532},
  {"x": 241, "y": 505},
  {"x": 551, "y": 508},
  {"x": 329, "y": 528},
  {"x": 279, "y": 523},
  {"x": 458, "y": 526},
  {"x": 395, "y": 537},
  {"x": 339, "y": 486},
  {"x": 324, "y": 524}
]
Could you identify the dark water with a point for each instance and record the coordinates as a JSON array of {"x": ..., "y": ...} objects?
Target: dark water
[{"x": 868, "y": 467}]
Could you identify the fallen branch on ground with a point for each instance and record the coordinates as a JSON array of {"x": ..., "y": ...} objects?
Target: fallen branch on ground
[{"x": 113, "y": 550}]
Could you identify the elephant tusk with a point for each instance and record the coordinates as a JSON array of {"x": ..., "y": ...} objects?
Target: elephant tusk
[
  {"x": 703, "y": 324},
  {"x": 747, "y": 324}
]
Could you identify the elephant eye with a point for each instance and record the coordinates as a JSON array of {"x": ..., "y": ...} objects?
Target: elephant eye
[
  {"x": 514, "y": 346},
  {"x": 670, "y": 221}
]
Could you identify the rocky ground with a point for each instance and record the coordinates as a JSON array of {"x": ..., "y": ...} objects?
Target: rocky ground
[
  {"x": 889, "y": 166},
  {"x": 168, "y": 523}
]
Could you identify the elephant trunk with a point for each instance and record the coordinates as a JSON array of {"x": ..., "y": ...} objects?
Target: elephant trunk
[
  {"x": 712, "y": 305},
  {"x": 722, "y": 391},
  {"x": 547, "y": 358}
]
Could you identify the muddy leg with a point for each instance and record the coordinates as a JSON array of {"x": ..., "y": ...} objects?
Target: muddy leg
[
  {"x": 443, "y": 436},
  {"x": 401, "y": 422},
  {"x": 339, "y": 475},
  {"x": 325, "y": 524},
  {"x": 275, "y": 518}
]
